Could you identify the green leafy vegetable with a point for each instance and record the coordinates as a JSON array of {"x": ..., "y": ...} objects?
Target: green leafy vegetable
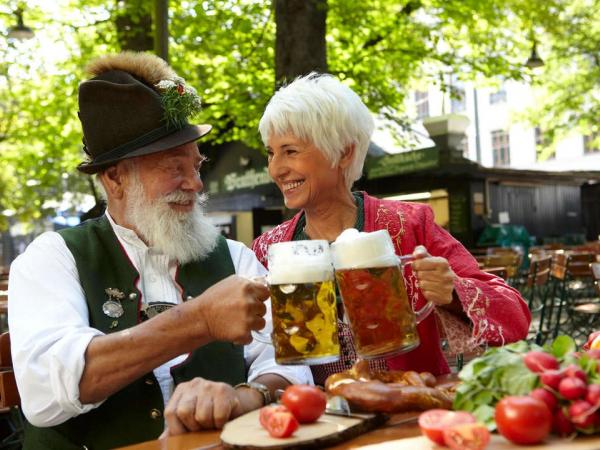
[
  {"x": 562, "y": 346},
  {"x": 497, "y": 373},
  {"x": 500, "y": 371}
]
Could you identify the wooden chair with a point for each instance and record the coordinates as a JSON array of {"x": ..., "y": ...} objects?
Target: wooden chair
[
  {"x": 595, "y": 266},
  {"x": 9, "y": 395},
  {"x": 536, "y": 291},
  {"x": 572, "y": 275},
  {"x": 498, "y": 271},
  {"x": 10, "y": 401},
  {"x": 510, "y": 260}
]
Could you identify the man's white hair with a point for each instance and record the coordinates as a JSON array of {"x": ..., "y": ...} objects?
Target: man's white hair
[{"x": 319, "y": 109}]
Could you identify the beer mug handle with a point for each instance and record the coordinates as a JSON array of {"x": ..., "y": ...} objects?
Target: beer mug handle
[
  {"x": 261, "y": 336},
  {"x": 424, "y": 312}
]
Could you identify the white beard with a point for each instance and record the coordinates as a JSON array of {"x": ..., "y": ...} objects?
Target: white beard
[{"x": 183, "y": 236}]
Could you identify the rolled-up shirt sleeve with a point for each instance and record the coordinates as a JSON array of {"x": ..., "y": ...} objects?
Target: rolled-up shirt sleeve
[
  {"x": 260, "y": 357},
  {"x": 49, "y": 331}
]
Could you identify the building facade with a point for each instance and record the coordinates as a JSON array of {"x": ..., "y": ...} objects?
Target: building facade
[{"x": 496, "y": 138}]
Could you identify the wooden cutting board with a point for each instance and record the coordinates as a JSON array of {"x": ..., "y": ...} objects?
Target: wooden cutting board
[
  {"x": 245, "y": 432},
  {"x": 497, "y": 443}
]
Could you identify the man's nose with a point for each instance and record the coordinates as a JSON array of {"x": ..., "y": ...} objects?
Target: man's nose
[{"x": 193, "y": 182}]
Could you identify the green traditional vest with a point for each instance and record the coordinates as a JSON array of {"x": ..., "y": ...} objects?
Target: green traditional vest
[{"x": 134, "y": 414}]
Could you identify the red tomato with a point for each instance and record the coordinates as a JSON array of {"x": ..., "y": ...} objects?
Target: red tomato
[
  {"x": 523, "y": 419},
  {"x": 469, "y": 436},
  {"x": 435, "y": 421},
  {"x": 267, "y": 411},
  {"x": 305, "y": 402},
  {"x": 282, "y": 424}
]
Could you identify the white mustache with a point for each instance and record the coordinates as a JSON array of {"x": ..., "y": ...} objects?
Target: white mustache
[{"x": 179, "y": 197}]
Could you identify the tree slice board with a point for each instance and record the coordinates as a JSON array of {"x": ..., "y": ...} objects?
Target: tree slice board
[
  {"x": 496, "y": 443},
  {"x": 245, "y": 432}
]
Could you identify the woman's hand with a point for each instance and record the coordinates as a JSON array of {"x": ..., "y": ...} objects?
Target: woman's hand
[{"x": 435, "y": 276}]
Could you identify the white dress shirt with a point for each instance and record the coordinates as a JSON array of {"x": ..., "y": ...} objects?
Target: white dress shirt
[{"x": 50, "y": 330}]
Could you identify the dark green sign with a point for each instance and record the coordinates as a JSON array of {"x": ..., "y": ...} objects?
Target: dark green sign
[
  {"x": 459, "y": 213},
  {"x": 405, "y": 162}
]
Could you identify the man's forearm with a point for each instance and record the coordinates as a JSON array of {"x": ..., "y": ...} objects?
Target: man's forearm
[{"x": 115, "y": 360}]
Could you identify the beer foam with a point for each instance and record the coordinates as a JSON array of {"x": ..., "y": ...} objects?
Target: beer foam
[
  {"x": 359, "y": 250},
  {"x": 300, "y": 262}
]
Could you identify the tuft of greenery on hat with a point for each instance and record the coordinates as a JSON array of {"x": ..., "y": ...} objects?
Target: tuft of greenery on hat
[{"x": 179, "y": 101}]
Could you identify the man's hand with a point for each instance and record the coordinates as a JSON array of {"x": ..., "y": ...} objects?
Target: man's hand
[
  {"x": 232, "y": 308},
  {"x": 202, "y": 404},
  {"x": 436, "y": 278}
]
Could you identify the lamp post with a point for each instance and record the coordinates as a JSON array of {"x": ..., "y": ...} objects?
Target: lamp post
[
  {"x": 161, "y": 28},
  {"x": 20, "y": 31},
  {"x": 534, "y": 59}
]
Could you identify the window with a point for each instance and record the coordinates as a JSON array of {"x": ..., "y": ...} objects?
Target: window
[
  {"x": 501, "y": 148},
  {"x": 458, "y": 104},
  {"x": 422, "y": 104},
  {"x": 589, "y": 146},
  {"x": 539, "y": 137},
  {"x": 498, "y": 97},
  {"x": 543, "y": 151},
  {"x": 457, "y": 96}
]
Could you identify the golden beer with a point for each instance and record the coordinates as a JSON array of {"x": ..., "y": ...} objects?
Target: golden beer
[
  {"x": 304, "y": 322},
  {"x": 381, "y": 318}
]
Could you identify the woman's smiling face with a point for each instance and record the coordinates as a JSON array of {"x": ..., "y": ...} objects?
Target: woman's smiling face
[{"x": 301, "y": 171}]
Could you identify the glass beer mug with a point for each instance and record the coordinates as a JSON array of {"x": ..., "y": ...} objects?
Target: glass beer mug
[
  {"x": 303, "y": 307},
  {"x": 371, "y": 282}
]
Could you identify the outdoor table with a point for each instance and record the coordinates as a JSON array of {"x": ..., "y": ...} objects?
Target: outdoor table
[{"x": 393, "y": 430}]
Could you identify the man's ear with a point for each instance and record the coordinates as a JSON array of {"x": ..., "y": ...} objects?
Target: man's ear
[
  {"x": 347, "y": 156},
  {"x": 113, "y": 180}
]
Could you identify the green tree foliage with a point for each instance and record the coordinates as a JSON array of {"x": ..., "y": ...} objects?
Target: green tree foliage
[
  {"x": 225, "y": 48},
  {"x": 567, "y": 94}
]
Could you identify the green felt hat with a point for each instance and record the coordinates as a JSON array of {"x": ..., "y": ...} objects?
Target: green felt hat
[{"x": 134, "y": 105}]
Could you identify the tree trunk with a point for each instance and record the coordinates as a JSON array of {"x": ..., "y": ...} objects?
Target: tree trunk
[
  {"x": 134, "y": 25},
  {"x": 300, "y": 39}
]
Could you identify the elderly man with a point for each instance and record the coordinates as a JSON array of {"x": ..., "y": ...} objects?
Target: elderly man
[{"x": 105, "y": 318}]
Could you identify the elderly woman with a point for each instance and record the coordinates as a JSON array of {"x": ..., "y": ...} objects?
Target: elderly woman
[{"x": 317, "y": 132}]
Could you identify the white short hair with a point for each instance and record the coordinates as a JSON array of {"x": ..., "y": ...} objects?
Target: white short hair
[{"x": 319, "y": 109}]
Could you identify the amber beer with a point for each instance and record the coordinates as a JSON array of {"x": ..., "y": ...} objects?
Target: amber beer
[
  {"x": 381, "y": 319},
  {"x": 371, "y": 282},
  {"x": 303, "y": 304}
]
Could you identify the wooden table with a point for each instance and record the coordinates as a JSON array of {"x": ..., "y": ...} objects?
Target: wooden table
[
  {"x": 393, "y": 430},
  {"x": 210, "y": 439}
]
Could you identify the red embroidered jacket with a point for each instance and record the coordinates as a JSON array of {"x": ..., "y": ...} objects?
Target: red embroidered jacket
[{"x": 498, "y": 313}]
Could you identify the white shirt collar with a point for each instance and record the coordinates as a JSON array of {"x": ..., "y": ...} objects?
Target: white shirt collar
[{"x": 126, "y": 234}]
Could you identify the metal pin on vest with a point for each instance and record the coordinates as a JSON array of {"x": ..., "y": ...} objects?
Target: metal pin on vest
[{"x": 113, "y": 307}]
